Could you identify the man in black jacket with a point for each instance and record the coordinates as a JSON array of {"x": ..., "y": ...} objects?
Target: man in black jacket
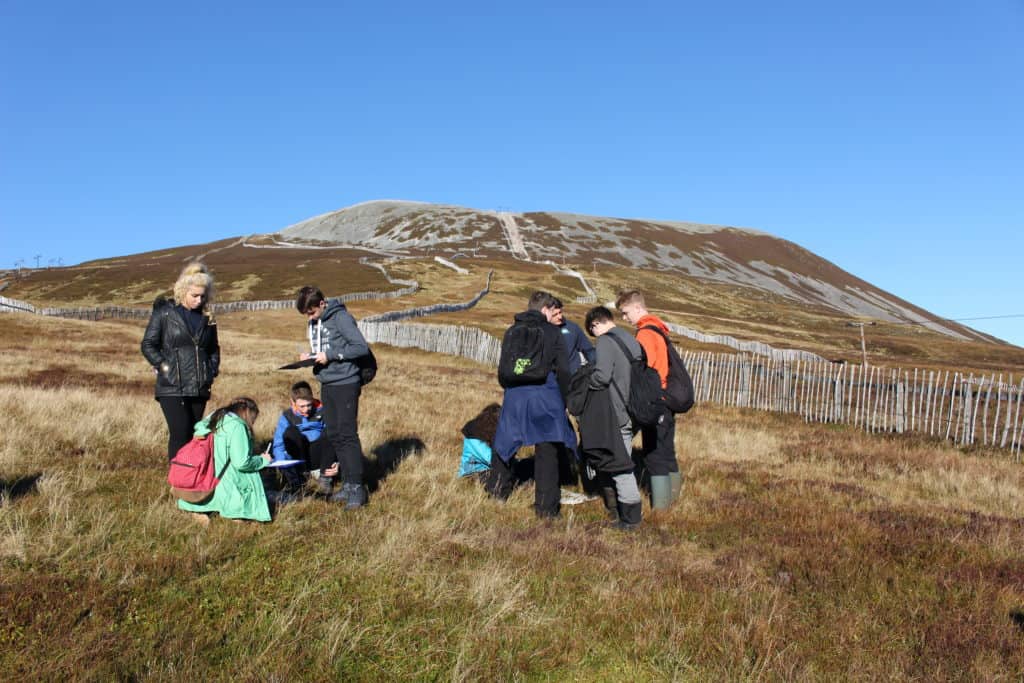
[{"x": 533, "y": 411}]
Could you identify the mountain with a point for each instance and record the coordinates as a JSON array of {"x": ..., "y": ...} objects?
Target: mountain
[{"x": 720, "y": 254}]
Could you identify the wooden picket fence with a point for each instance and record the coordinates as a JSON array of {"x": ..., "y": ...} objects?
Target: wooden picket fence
[
  {"x": 455, "y": 340},
  {"x": 15, "y": 306},
  {"x": 432, "y": 309},
  {"x": 960, "y": 407},
  {"x": 760, "y": 348}
]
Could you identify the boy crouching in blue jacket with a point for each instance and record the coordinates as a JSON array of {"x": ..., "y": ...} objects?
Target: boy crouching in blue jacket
[{"x": 297, "y": 437}]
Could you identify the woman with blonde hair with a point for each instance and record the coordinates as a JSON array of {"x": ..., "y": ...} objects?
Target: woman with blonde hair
[{"x": 180, "y": 343}]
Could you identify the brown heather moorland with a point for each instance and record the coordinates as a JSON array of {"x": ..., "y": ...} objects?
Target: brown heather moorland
[{"x": 797, "y": 552}]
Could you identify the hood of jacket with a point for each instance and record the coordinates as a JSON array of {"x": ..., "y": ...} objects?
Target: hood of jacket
[
  {"x": 334, "y": 306},
  {"x": 530, "y": 318},
  {"x": 653, "y": 321},
  {"x": 202, "y": 427}
]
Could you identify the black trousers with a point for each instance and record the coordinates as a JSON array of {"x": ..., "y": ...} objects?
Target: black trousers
[
  {"x": 318, "y": 455},
  {"x": 315, "y": 455},
  {"x": 547, "y": 494},
  {"x": 548, "y": 458},
  {"x": 181, "y": 413},
  {"x": 659, "y": 449},
  {"x": 341, "y": 417}
]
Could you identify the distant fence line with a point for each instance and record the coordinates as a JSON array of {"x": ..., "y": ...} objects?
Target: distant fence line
[
  {"x": 961, "y": 408},
  {"x": 455, "y": 340},
  {"x": 759, "y": 348},
  {"x": 420, "y": 311},
  {"x": 135, "y": 313},
  {"x": 365, "y": 260},
  {"x": 957, "y": 407},
  {"x": 15, "y": 306},
  {"x": 448, "y": 264}
]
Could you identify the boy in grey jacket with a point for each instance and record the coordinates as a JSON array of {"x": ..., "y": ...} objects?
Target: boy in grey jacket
[
  {"x": 336, "y": 344},
  {"x": 612, "y": 372}
]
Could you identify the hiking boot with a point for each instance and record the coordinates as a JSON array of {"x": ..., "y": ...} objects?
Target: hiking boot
[
  {"x": 339, "y": 496},
  {"x": 357, "y": 496},
  {"x": 323, "y": 485}
]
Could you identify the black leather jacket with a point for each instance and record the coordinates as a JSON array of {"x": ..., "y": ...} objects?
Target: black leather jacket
[{"x": 185, "y": 364}]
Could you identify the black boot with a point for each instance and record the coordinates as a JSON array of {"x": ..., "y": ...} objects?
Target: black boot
[
  {"x": 357, "y": 496},
  {"x": 630, "y": 516},
  {"x": 610, "y": 503}
]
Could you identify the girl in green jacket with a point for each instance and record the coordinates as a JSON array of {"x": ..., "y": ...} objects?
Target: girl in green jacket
[{"x": 240, "y": 494}]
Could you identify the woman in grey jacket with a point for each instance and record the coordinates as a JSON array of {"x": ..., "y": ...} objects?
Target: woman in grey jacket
[
  {"x": 338, "y": 347},
  {"x": 181, "y": 344}
]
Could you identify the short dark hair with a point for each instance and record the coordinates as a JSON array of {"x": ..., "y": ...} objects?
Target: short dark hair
[
  {"x": 556, "y": 303},
  {"x": 309, "y": 297},
  {"x": 301, "y": 391},
  {"x": 539, "y": 300},
  {"x": 632, "y": 296},
  {"x": 597, "y": 314}
]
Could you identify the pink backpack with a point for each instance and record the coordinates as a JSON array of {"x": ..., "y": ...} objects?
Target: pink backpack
[{"x": 191, "y": 473}]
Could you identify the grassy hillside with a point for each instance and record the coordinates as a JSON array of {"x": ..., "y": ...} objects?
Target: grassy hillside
[{"x": 797, "y": 552}]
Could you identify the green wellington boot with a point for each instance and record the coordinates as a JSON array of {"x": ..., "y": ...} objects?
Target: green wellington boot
[
  {"x": 661, "y": 492},
  {"x": 677, "y": 484}
]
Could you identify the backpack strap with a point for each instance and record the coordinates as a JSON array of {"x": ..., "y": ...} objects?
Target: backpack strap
[
  {"x": 629, "y": 359},
  {"x": 668, "y": 342}
]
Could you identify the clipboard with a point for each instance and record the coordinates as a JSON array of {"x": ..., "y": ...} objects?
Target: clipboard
[{"x": 308, "y": 363}]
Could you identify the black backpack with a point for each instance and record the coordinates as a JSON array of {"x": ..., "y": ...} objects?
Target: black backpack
[
  {"x": 525, "y": 355},
  {"x": 367, "y": 366},
  {"x": 646, "y": 402},
  {"x": 679, "y": 394}
]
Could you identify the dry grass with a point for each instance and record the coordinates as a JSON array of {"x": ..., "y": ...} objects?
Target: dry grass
[{"x": 798, "y": 551}]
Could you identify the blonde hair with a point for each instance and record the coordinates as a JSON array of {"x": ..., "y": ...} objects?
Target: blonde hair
[
  {"x": 632, "y": 296},
  {"x": 195, "y": 274}
]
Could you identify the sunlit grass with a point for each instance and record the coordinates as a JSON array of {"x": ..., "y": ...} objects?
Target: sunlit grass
[{"x": 797, "y": 552}]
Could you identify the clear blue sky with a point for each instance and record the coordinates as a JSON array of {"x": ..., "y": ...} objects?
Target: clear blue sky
[{"x": 887, "y": 137}]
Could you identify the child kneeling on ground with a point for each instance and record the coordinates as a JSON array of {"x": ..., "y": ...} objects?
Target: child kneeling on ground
[
  {"x": 239, "y": 493},
  {"x": 298, "y": 437}
]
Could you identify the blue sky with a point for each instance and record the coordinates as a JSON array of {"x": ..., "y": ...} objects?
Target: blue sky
[{"x": 887, "y": 137}]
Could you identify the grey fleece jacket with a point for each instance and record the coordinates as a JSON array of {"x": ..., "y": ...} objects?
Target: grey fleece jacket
[
  {"x": 337, "y": 335},
  {"x": 612, "y": 369}
]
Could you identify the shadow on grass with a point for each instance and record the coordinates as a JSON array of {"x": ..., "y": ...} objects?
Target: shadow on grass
[
  {"x": 387, "y": 457},
  {"x": 1017, "y": 617},
  {"x": 12, "y": 489}
]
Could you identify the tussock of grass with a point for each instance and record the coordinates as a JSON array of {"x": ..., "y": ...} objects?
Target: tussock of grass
[{"x": 797, "y": 552}]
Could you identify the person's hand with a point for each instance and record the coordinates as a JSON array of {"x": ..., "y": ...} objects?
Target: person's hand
[
  {"x": 331, "y": 471},
  {"x": 304, "y": 356},
  {"x": 267, "y": 456},
  {"x": 321, "y": 358}
]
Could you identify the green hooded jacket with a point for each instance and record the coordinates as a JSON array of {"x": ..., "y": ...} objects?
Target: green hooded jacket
[{"x": 239, "y": 495}]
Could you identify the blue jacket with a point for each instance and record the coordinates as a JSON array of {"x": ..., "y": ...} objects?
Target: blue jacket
[
  {"x": 576, "y": 345},
  {"x": 310, "y": 427},
  {"x": 532, "y": 414}
]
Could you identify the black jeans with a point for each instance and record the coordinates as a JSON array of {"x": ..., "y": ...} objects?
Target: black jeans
[
  {"x": 548, "y": 457},
  {"x": 341, "y": 417},
  {"x": 659, "y": 449},
  {"x": 181, "y": 413},
  {"x": 315, "y": 455}
]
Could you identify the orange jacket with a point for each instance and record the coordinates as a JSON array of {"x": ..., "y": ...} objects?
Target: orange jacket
[{"x": 654, "y": 345}]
